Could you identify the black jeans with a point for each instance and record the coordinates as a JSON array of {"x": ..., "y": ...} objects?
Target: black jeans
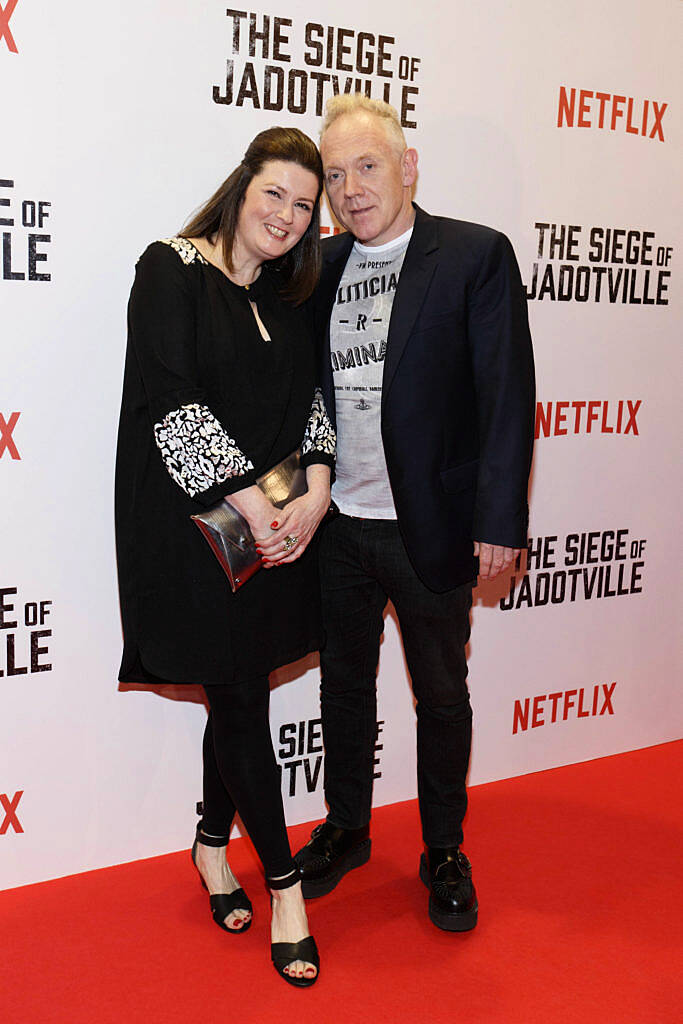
[
  {"x": 240, "y": 772},
  {"x": 363, "y": 563}
]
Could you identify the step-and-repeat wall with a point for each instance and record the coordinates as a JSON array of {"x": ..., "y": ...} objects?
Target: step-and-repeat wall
[{"x": 558, "y": 124}]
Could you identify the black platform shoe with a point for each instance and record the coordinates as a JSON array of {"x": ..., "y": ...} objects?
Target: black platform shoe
[
  {"x": 447, "y": 873},
  {"x": 329, "y": 854},
  {"x": 222, "y": 903},
  {"x": 283, "y": 954}
]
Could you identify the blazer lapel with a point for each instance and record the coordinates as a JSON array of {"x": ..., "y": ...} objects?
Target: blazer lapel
[{"x": 418, "y": 268}]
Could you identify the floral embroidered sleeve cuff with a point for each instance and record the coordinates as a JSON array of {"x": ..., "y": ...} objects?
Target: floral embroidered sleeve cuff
[
  {"x": 199, "y": 455},
  {"x": 319, "y": 444}
]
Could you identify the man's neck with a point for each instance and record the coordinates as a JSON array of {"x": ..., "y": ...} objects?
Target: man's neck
[{"x": 403, "y": 223}]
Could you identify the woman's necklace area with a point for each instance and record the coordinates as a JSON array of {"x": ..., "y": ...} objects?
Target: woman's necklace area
[
  {"x": 214, "y": 254},
  {"x": 215, "y": 257},
  {"x": 240, "y": 284},
  {"x": 263, "y": 330}
]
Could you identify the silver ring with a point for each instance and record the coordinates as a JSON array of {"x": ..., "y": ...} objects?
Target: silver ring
[{"x": 290, "y": 542}]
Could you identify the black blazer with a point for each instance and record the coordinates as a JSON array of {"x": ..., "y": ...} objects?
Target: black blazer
[{"x": 458, "y": 399}]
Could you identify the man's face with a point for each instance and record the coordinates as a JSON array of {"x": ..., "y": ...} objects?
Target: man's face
[{"x": 367, "y": 180}]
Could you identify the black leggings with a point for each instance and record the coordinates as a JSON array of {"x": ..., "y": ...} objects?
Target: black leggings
[{"x": 241, "y": 774}]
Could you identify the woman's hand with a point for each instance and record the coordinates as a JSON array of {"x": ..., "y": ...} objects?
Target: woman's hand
[
  {"x": 263, "y": 518},
  {"x": 298, "y": 520}
]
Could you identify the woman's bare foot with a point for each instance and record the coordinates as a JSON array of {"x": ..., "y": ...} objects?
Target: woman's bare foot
[
  {"x": 215, "y": 870},
  {"x": 290, "y": 924}
]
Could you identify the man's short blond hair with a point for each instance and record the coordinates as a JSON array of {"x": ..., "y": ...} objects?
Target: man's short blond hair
[{"x": 353, "y": 103}]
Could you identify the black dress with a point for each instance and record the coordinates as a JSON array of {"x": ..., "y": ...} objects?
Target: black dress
[{"x": 208, "y": 405}]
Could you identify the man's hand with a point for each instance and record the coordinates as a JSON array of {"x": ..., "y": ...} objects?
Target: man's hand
[{"x": 494, "y": 559}]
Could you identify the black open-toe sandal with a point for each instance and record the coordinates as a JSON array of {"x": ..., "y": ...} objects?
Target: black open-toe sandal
[
  {"x": 222, "y": 903},
  {"x": 285, "y": 953}
]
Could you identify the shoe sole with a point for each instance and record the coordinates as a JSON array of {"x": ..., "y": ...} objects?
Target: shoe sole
[
  {"x": 464, "y": 922},
  {"x": 312, "y": 888}
]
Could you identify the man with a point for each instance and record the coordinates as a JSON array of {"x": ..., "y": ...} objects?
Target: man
[{"x": 428, "y": 376}]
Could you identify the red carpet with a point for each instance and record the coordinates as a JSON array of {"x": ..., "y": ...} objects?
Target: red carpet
[{"x": 579, "y": 879}]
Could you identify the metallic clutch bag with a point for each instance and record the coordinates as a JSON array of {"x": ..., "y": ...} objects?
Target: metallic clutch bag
[{"x": 228, "y": 532}]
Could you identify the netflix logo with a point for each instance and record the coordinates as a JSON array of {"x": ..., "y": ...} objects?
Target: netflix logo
[
  {"x": 557, "y": 419},
  {"x": 8, "y": 445},
  {"x": 583, "y": 108},
  {"x": 9, "y": 804},
  {"x": 549, "y": 708},
  {"x": 6, "y": 13}
]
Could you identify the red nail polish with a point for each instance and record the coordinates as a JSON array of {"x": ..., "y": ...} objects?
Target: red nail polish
[{"x": 274, "y": 524}]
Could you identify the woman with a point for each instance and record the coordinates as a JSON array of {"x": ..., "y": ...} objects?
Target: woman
[{"x": 219, "y": 386}]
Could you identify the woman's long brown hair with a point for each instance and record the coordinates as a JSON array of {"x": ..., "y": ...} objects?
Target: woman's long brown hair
[{"x": 299, "y": 269}]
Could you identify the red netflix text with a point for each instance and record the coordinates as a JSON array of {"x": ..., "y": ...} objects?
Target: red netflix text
[
  {"x": 548, "y": 708},
  {"x": 583, "y": 108},
  {"x": 555, "y": 419},
  {"x": 6, "y": 13},
  {"x": 7, "y": 443},
  {"x": 9, "y": 806}
]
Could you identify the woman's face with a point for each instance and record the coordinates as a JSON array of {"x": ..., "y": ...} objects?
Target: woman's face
[{"x": 277, "y": 209}]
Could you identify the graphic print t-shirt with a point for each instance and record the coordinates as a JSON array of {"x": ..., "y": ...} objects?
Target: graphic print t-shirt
[{"x": 358, "y": 342}]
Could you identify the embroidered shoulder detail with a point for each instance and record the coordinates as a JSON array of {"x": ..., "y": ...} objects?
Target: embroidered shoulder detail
[
  {"x": 320, "y": 435},
  {"x": 197, "y": 451},
  {"x": 185, "y": 250}
]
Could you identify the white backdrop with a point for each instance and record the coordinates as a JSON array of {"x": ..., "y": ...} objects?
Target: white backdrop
[{"x": 110, "y": 136}]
